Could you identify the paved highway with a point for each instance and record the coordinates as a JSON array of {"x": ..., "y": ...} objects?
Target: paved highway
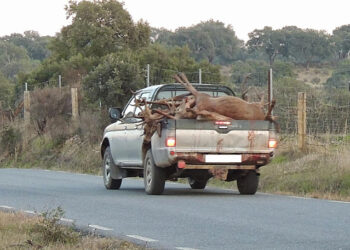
[{"x": 181, "y": 218}]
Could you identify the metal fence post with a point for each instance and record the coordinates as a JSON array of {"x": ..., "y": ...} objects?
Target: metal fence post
[{"x": 26, "y": 115}]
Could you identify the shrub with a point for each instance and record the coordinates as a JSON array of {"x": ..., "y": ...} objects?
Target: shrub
[
  {"x": 316, "y": 80},
  {"x": 47, "y": 105},
  {"x": 48, "y": 230},
  {"x": 11, "y": 139}
]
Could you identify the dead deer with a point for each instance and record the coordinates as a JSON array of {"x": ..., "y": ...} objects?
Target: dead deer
[{"x": 228, "y": 106}]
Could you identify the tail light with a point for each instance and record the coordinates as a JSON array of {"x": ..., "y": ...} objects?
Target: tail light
[
  {"x": 170, "y": 142},
  {"x": 272, "y": 143},
  {"x": 222, "y": 123}
]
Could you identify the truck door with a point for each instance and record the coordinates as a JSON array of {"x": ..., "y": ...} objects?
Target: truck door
[{"x": 134, "y": 137}]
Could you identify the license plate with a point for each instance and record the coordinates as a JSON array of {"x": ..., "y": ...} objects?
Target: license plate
[{"x": 223, "y": 158}]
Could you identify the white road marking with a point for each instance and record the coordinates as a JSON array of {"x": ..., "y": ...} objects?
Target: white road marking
[
  {"x": 186, "y": 248},
  {"x": 29, "y": 212},
  {"x": 6, "y": 207},
  {"x": 300, "y": 197},
  {"x": 142, "y": 238},
  {"x": 343, "y": 202},
  {"x": 67, "y": 220},
  {"x": 101, "y": 227}
]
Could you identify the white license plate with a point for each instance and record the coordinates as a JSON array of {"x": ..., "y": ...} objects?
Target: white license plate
[{"x": 223, "y": 158}]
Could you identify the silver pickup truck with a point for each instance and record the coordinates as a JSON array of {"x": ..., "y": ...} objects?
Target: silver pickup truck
[{"x": 185, "y": 148}]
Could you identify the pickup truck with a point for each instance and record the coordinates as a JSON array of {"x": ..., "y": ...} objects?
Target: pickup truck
[{"x": 184, "y": 148}]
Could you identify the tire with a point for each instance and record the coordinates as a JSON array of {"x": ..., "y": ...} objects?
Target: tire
[
  {"x": 108, "y": 164},
  {"x": 153, "y": 176},
  {"x": 248, "y": 184},
  {"x": 197, "y": 184}
]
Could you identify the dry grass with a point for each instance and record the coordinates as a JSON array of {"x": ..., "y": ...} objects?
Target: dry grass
[
  {"x": 16, "y": 232},
  {"x": 323, "y": 171},
  {"x": 313, "y": 76}
]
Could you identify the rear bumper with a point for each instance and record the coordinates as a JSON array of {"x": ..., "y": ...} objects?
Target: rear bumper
[
  {"x": 182, "y": 165},
  {"x": 197, "y": 160}
]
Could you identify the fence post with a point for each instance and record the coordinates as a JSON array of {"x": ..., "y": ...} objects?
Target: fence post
[
  {"x": 301, "y": 120},
  {"x": 75, "y": 107},
  {"x": 26, "y": 114}
]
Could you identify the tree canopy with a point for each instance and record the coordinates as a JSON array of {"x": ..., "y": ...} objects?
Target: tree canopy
[
  {"x": 98, "y": 28},
  {"x": 291, "y": 43},
  {"x": 210, "y": 40}
]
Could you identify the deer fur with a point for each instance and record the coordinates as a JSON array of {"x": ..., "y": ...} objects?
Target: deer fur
[{"x": 228, "y": 106}]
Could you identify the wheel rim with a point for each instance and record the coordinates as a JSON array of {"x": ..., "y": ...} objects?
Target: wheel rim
[
  {"x": 107, "y": 172},
  {"x": 148, "y": 172}
]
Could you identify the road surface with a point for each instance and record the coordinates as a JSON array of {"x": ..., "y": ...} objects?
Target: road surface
[{"x": 181, "y": 218}]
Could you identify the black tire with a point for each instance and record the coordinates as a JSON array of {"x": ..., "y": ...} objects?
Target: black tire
[
  {"x": 153, "y": 176},
  {"x": 197, "y": 184},
  {"x": 108, "y": 164},
  {"x": 248, "y": 184}
]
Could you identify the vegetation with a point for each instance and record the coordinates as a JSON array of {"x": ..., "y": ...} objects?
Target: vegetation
[
  {"x": 211, "y": 40},
  {"x": 104, "y": 53},
  {"x": 19, "y": 231},
  {"x": 321, "y": 172}
]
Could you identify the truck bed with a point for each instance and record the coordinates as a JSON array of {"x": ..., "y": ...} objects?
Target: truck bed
[{"x": 238, "y": 142}]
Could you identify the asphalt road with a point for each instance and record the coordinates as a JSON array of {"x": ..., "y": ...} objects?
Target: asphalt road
[{"x": 181, "y": 218}]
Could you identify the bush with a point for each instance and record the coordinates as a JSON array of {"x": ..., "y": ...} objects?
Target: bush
[
  {"x": 11, "y": 139},
  {"x": 316, "y": 80},
  {"x": 48, "y": 230},
  {"x": 47, "y": 105}
]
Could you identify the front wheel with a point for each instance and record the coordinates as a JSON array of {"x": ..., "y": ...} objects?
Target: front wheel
[
  {"x": 153, "y": 176},
  {"x": 248, "y": 184},
  {"x": 108, "y": 164},
  {"x": 197, "y": 184}
]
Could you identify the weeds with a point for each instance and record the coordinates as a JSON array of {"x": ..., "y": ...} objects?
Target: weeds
[
  {"x": 320, "y": 172},
  {"x": 16, "y": 232},
  {"x": 48, "y": 230},
  {"x": 10, "y": 140}
]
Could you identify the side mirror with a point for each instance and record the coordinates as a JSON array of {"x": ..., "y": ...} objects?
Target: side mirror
[{"x": 115, "y": 114}]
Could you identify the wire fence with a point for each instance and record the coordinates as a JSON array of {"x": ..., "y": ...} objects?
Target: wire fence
[{"x": 328, "y": 111}]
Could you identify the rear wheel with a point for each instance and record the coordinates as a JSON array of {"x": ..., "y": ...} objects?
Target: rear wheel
[
  {"x": 108, "y": 164},
  {"x": 197, "y": 184},
  {"x": 153, "y": 176},
  {"x": 248, "y": 184}
]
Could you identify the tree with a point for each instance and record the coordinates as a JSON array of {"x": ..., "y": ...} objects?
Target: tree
[
  {"x": 341, "y": 76},
  {"x": 307, "y": 46},
  {"x": 98, "y": 28},
  {"x": 341, "y": 37},
  {"x": 6, "y": 91},
  {"x": 257, "y": 71},
  {"x": 210, "y": 40},
  {"x": 32, "y": 42},
  {"x": 14, "y": 59},
  {"x": 114, "y": 79},
  {"x": 272, "y": 42},
  {"x": 165, "y": 62}
]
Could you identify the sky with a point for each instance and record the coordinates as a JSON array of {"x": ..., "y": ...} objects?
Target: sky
[{"x": 48, "y": 16}]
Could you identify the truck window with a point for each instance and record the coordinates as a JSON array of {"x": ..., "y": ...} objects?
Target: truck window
[{"x": 131, "y": 110}]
